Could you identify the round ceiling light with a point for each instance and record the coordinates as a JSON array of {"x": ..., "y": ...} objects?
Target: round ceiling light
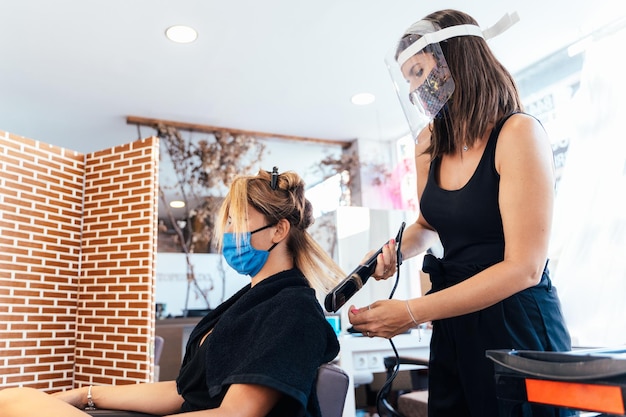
[
  {"x": 177, "y": 204},
  {"x": 181, "y": 34},
  {"x": 363, "y": 99}
]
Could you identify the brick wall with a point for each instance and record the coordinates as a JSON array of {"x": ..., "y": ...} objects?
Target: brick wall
[
  {"x": 115, "y": 329},
  {"x": 77, "y": 263}
]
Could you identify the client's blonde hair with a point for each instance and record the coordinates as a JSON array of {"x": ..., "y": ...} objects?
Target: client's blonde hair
[{"x": 288, "y": 202}]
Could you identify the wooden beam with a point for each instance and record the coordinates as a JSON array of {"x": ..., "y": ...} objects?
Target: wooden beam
[{"x": 193, "y": 127}]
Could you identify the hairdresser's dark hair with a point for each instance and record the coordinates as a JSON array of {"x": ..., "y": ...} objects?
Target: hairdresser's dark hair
[{"x": 484, "y": 90}]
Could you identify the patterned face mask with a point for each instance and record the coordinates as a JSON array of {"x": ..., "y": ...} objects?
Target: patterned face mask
[
  {"x": 433, "y": 94},
  {"x": 428, "y": 101}
]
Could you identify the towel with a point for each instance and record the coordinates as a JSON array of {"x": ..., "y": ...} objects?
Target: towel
[{"x": 273, "y": 334}]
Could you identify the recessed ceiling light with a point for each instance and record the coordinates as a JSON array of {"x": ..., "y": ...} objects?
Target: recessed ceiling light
[
  {"x": 181, "y": 34},
  {"x": 363, "y": 99},
  {"x": 177, "y": 204}
]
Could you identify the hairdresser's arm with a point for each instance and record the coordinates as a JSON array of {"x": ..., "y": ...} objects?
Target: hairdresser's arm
[
  {"x": 524, "y": 162},
  {"x": 419, "y": 236}
]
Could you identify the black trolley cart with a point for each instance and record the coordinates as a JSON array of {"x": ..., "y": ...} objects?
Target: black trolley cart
[{"x": 586, "y": 380}]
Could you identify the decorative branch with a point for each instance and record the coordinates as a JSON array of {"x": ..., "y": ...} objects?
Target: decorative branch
[
  {"x": 348, "y": 164},
  {"x": 194, "y": 127},
  {"x": 202, "y": 170}
]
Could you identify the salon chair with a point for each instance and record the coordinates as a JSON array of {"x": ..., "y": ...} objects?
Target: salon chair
[
  {"x": 332, "y": 387},
  {"x": 412, "y": 403},
  {"x": 158, "y": 350}
]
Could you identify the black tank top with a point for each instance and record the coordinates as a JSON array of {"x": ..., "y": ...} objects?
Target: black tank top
[{"x": 468, "y": 220}]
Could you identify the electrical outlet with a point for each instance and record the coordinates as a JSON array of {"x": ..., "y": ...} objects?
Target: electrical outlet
[
  {"x": 360, "y": 361},
  {"x": 374, "y": 361}
]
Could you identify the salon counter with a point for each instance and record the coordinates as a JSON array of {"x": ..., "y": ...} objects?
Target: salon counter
[{"x": 175, "y": 331}]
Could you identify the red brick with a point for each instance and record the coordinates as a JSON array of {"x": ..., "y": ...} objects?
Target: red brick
[{"x": 46, "y": 190}]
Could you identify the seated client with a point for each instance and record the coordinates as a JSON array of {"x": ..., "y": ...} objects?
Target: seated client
[{"x": 256, "y": 354}]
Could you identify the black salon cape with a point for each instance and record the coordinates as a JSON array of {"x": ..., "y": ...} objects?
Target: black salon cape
[{"x": 273, "y": 334}]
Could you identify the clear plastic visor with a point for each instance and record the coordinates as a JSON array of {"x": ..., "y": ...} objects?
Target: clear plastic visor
[
  {"x": 419, "y": 70},
  {"x": 423, "y": 83}
]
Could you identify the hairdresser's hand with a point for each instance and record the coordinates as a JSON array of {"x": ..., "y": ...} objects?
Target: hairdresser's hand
[
  {"x": 75, "y": 397},
  {"x": 385, "y": 262},
  {"x": 385, "y": 318}
]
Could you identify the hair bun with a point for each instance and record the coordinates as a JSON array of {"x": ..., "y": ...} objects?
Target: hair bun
[{"x": 307, "y": 215}]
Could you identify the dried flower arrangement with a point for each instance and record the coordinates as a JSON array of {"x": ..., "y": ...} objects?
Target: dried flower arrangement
[{"x": 202, "y": 171}]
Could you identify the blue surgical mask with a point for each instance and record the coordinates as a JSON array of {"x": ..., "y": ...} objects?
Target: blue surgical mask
[{"x": 245, "y": 259}]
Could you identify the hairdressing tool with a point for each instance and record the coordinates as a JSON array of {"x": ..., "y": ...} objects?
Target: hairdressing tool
[{"x": 356, "y": 279}]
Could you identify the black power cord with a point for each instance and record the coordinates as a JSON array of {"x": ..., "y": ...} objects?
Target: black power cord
[{"x": 381, "y": 397}]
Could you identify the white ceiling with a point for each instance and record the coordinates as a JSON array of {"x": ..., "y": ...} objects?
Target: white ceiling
[{"x": 72, "y": 70}]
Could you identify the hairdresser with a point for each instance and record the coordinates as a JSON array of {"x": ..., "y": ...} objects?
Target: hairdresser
[{"x": 486, "y": 190}]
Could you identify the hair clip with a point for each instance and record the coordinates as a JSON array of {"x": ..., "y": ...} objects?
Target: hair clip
[{"x": 274, "y": 182}]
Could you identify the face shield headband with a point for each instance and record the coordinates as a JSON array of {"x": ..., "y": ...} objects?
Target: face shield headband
[{"x": 420, "y": 72}]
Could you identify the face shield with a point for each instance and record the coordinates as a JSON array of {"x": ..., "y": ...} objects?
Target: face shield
[{"x": 419, "y": 70}]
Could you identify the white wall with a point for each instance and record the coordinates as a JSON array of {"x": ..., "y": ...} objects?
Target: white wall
[
  {"x": 589, "y": 241},
  {"x": 211, "y": 271}
]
